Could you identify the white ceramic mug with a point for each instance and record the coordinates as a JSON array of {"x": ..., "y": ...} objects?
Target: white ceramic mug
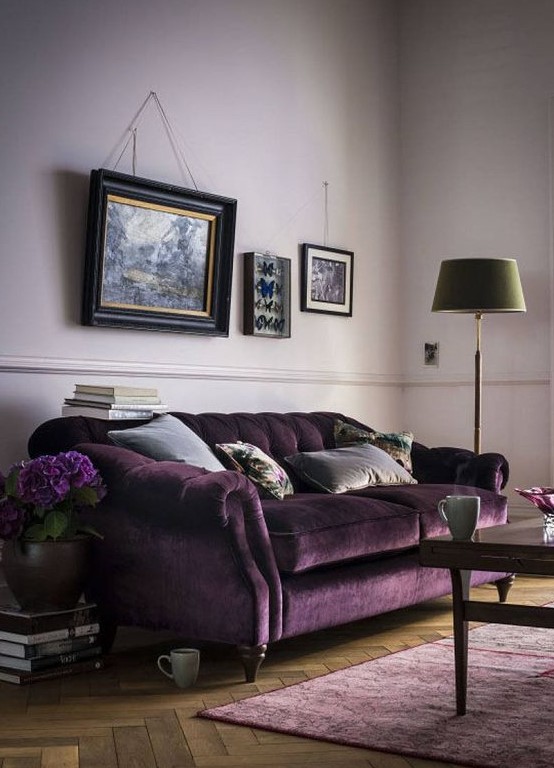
[
  {"x": 183, "y": 666},
  {"x": 461, "y": 514}
]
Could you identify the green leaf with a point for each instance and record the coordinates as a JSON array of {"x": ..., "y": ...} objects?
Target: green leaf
[
  {"x": 90, "y": 530},
  {"x": 86, "y": 496},
  {"x": 55, "y": 524},
  {"x": 11, "y": 483},
  {"x": 35, "y": 533}
]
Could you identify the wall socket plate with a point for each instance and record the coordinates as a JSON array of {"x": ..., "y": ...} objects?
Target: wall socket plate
[{"x": 431, "y": 353}]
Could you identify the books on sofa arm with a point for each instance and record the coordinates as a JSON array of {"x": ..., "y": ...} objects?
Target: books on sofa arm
[
  {"x": 135, "y": 400},
  {"x": 132, "y": 406},
  {"x": 120, "y": 391},
  {"x": 105, "y": 413}
]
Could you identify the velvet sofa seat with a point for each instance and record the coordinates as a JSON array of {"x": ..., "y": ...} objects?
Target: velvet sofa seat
[
  {"x": 311, "y": 530},
  {"x": 424, "y": 498},
  {"x": 205, "y": 555}
]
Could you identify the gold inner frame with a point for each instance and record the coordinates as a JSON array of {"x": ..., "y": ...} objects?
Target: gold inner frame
[{"x": 212, "y": 221}]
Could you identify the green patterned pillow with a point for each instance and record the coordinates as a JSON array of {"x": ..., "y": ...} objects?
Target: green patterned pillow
[
  {"x": 269, "y": 476},
  {"x": 397, "y": 444}
]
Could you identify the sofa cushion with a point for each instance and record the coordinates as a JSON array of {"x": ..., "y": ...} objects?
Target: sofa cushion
[
  {"x": 271, "y": 479},
  {"x": 345, "y": 469},
  {"x": 166, "y": 438},
  {"x": 425, "y": 497},
  {"x": 310, "y": 530},
  {"x": 397, "y": 444}
]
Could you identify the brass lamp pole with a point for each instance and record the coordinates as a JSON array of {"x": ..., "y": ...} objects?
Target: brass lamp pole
[{"x": 477, "y": 286}]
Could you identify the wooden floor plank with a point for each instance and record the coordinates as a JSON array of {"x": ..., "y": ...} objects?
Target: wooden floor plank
[
  {"x": 21, "y": 762},
  {"x": 20, "y": 752},
  {"x": 133, "y": 748},
  {"x": 202, "y": 736},
  {"x": 97, "y": 750},
  {"x": 168, "y": 741},
  {"x": 384, "y": 760},
  {"x": 60, "y": 757}
]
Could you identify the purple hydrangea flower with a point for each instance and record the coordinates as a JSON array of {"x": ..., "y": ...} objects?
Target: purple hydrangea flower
[
  {"x": 43, "y": 482},
  {"x": 78, "y": 467}
]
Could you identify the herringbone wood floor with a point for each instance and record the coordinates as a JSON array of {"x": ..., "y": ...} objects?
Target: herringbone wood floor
[{"x": 130, "y": 716}]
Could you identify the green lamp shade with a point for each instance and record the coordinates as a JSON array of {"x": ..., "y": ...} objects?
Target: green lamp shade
[{"x": 478, "y": 285}]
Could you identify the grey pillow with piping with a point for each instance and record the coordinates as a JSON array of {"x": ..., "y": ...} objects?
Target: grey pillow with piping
[
  {"x": 338, "y": 470},
  {"x": 166, "y": 438}
]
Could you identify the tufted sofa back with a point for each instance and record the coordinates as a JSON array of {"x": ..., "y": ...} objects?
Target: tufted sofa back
[{"x": 277, "y": 434}]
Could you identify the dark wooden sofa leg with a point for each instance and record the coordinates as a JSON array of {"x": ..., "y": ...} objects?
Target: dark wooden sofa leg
[
  {"x": 504, "y": 585},
  {"x": 251, "y": 657}
]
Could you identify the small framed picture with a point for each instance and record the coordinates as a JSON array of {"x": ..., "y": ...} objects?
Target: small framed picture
[
  {"x": 327, "y": 279},
  {"x": 158, "y": 257},
  {"x": 266, "y": 296}
]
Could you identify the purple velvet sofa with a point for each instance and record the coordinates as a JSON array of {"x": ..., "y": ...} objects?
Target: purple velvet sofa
[{"x": 200, "y": 553}]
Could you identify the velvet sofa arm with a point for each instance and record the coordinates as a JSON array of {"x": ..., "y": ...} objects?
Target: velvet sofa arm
[
  {"x": 170, "y": 494},
  {"x": 485, "y": 470},
  {"x": 219, "y": 512},
  {"x": 459, "y": 465}
]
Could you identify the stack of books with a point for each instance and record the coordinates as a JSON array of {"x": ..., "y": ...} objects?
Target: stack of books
[
  {"x": 41, "y": 646},
  {"x": 117, "y": 402}
]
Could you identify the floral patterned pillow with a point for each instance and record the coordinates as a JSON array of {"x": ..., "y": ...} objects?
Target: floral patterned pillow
[
  {"x": 397, "y": 444},
  {"x": 270, "y": 477}
]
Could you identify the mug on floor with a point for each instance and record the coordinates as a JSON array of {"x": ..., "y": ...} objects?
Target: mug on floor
[{"x": 181, "y": 666}]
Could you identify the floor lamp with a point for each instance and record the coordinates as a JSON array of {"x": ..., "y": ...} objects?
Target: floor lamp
[{"x": 477, "y": 286}]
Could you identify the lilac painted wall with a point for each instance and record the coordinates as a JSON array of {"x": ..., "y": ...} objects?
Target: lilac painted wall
[
  {"x": 268, "y": 99},
  {"x": 476, "y": 85}
]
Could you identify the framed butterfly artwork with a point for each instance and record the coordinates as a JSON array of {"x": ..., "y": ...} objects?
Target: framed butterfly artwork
[{"x": 266, "y": 296}]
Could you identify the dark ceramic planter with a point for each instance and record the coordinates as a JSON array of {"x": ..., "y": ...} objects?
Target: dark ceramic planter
[{"x": 46, "y": 575}]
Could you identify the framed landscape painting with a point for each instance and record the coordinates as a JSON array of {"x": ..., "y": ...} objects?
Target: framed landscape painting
[
  {"x": 327, "y": 280},
  {"x": 158, "y": 257}
]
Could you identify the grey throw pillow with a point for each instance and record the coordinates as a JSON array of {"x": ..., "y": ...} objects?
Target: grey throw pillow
[
  {"x": 338, "y": 470},
  {"x": 166, "y": 438}
]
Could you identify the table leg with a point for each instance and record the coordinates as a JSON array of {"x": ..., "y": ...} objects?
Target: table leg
[{"x": 460, "y": 593}]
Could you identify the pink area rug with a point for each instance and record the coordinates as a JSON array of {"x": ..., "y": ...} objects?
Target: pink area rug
[{"x": 405, "y": 703}]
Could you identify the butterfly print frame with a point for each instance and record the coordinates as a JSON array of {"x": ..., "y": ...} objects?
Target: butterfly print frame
[
  {"x": 327, "y": 280},
  {"x": 266, "y": 296},
  {"x": 158, "y": 257}
]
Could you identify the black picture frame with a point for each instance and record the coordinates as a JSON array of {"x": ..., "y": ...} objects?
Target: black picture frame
[
  {"x": 158, "y": 257},
  {"x": 266, "y": 301},
  {"x": 327, "y": 280}
]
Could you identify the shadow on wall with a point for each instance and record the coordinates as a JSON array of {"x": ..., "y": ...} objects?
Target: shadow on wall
[
  {"x": 71, "y": 192},
  {"x": 19, "y": 420}
]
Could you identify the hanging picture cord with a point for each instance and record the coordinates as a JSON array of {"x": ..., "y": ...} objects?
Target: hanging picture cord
[
  {"x": 297, "y": 213},
  {"x": 134, "y": 151},
  {"x": 326, "y": 214},
  {"x": 170, "y": 133}
]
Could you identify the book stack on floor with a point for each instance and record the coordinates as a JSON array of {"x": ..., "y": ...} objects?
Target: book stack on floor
[
  {"x": 41, "y": 646},
  {"x": 113, "y": 402}
]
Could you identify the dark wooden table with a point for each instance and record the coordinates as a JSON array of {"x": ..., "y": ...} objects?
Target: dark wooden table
[{"x": 521, "y": 547}]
